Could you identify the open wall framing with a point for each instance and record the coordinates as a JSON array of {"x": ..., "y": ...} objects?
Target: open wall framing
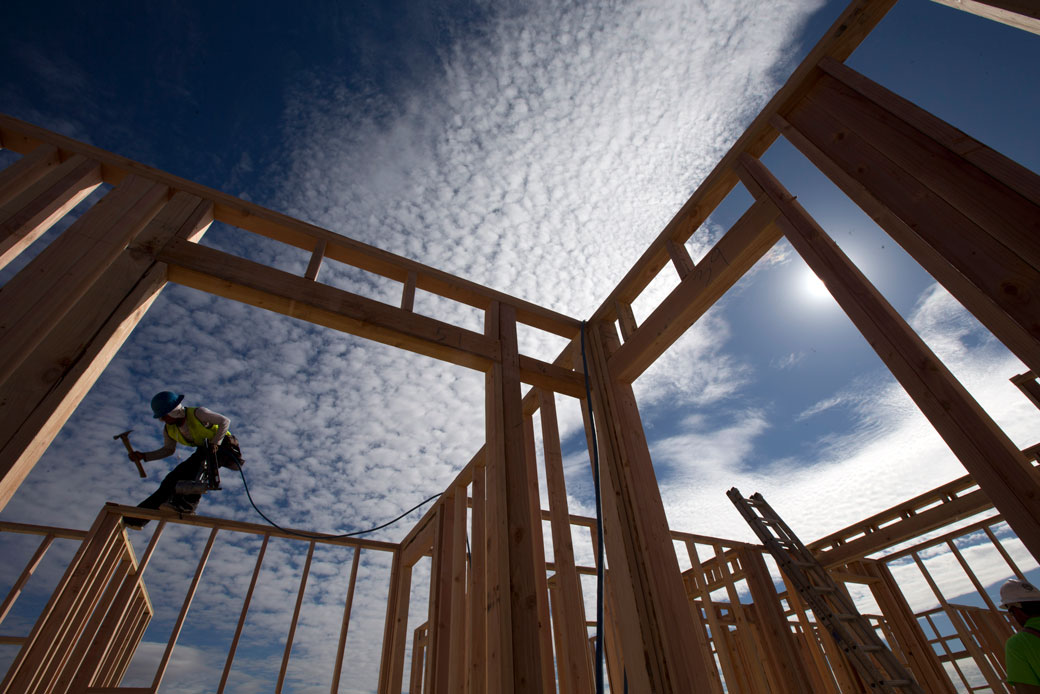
[{"x": 503, "y": 619}]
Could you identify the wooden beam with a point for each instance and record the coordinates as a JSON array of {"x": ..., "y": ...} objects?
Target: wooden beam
[
  {"x": 734, "y": 254},
  {"x": 28, "y": 170},
  {"x": 24, "y": 137},
  {"x": 973, "y": 230},
  {"x": 315, "y": 263},
  {"x": 838, "y": 42},
  {"x": 37, "y": 399},
  {"x": 985, "y": 451},
  {"x": 1029, "y": 385},
  {"x": 514, "y": 657},
  {"x": 441, "y": 598},
  {"x": 391, "y": 663},
  {"x": 35, "y": 299},
  {"x": 1021, "y": 14},
  {"x": 541, "y": 583},
  {"x": 244, "y": 280},
  {"x": 477, "y": 665},
  {"x": 30, "y": 213},
  {"x": 573, "y": 661},
  {"x": 788, "y": 671},
  {"x": 642, "y": 556}
]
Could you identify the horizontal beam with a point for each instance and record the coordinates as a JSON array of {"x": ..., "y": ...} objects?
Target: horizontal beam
[
  {"x": 734, "y": 254},
  {"x": 226, "y": 275},
  {"x": 223, "y": 274},
  {"x": 1021, "y": 14},
  {"x": 250, "y": 528},
  {"x": 24, "y": 137}
]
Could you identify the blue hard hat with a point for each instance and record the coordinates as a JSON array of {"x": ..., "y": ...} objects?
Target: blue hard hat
[{"x": 164, "y": 402}]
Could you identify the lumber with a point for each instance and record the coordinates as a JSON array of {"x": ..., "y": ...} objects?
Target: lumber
[
  {"x": 37, "y": 399},
  {"x": 1021, "y": 14},
  {"x": 985, "y": 451},
  {"x": 514, "y": 652},
  {"x": 734, "y": 254},
  {"x": 32, "y": 211}
]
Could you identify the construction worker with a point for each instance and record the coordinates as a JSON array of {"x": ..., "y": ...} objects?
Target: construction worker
[
  {"x": 1022, "y": 651},
  {"x": 198, "y": 427}
]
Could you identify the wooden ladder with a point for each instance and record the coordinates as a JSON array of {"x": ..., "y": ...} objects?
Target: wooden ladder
[{"x": 879, "y": 669}]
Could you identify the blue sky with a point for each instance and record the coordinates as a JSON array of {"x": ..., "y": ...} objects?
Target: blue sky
[{"x": 535, "y": 148}]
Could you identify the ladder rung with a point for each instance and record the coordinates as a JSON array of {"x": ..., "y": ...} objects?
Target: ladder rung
[{"x": 822, "y": 589}]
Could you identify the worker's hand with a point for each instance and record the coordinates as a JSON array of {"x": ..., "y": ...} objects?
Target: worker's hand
[
  {"x": 135, "y": 456},
  {"x": 213, "y": 448}
]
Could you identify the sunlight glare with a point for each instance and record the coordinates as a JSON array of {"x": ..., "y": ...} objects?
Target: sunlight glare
[{"x": 813, "y": 287}]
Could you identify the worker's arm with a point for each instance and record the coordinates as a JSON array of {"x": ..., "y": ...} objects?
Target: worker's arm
[
  {"x": 168, "y": 449},
  {"x": 209, "y": 417}
]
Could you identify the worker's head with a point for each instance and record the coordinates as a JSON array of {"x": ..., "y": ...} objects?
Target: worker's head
[
  {"x": 165, "y": 403},
  {"x": 1021, "y": 599}
]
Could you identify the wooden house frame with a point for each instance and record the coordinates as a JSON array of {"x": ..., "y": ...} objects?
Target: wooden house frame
[{"x": 502, "y": 619}]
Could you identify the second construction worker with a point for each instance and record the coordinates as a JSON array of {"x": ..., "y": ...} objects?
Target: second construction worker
[
  {"x": 1022, "y": 651},
  {"x": 198, "y": 427}
]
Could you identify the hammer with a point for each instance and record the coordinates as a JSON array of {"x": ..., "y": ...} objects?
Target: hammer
[{"x": 130, "y": 449}]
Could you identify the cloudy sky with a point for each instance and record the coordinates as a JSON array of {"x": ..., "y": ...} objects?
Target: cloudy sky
[{"x": 536, "y": 148}]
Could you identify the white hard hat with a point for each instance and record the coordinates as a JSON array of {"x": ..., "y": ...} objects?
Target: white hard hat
[{"x": 1016, "y": 591}]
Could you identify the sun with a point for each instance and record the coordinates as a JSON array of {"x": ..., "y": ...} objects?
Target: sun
[{"x": 813, "y": 288}]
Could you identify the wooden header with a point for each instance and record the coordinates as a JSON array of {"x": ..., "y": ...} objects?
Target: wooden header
[{"x": 23, "y": 137}]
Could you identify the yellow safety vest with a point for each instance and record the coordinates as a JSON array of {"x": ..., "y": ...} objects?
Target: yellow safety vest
[{"x": 199, "y": 431}]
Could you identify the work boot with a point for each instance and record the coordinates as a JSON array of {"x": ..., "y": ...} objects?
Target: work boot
[{"x": 135, "y": 523}]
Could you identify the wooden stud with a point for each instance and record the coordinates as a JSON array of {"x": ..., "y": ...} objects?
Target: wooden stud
[
  {"x": 420, "y": 643},
  {"x": 514, "y": 658},
  {"x": 478, "y": 673},
  {"x": 408, "y": 292},
  {"x": 26, "y": 574},
  {"x": 438, "y": 650},
  {"x": 315, "y": 264},
  {"x": 788, "y": 673},
  {"x": 985, "y": 451},
  {"x": 910, "y": 639},
  {"x": 1029, "y": 385},
  {"x": 391, "y": 664},
  {"x": 626, "y": 319},
  {"x": 681, "y": 259},
  {"x": 182, "y": 615},
  {"x": 338, "y": 667},
  {"x": 242, "y": 615},
  {"x": 458, "y": 664},
  {"x": 642, "y": 557},
  {"x": 969, "y": 644},
  {"x": 78, "y": 599},
  {"x": 545, "y": 641},
  {"x": 295, "y": 618},
  {"x": 572, "y": 658}
]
